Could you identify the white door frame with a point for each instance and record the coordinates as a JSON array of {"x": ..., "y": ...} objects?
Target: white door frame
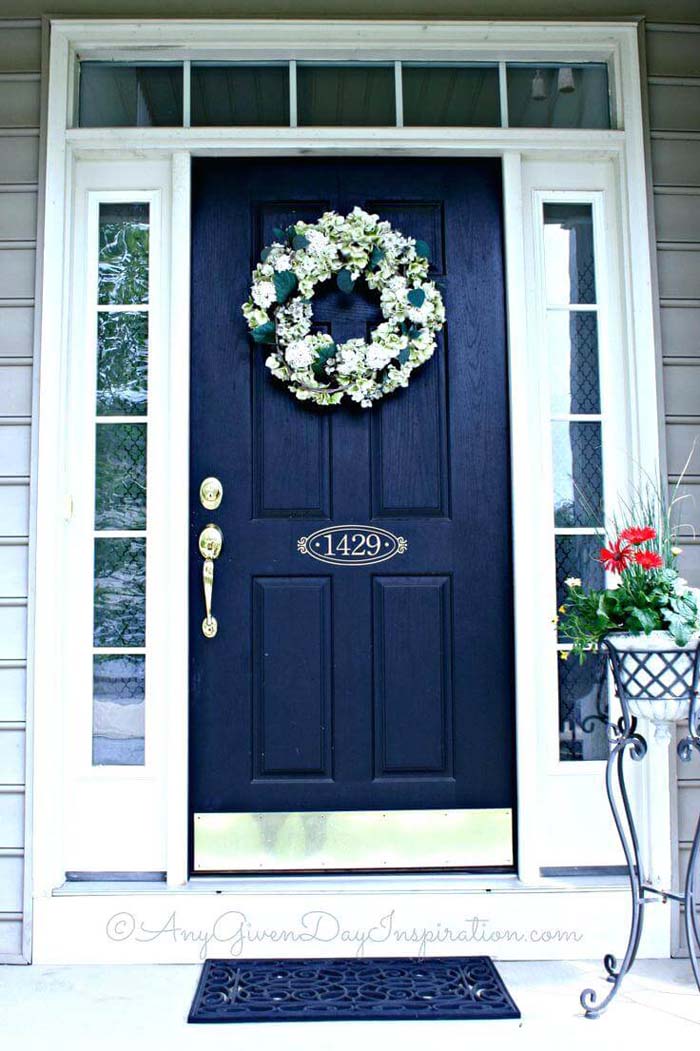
[{"x": 70, "y": 149}]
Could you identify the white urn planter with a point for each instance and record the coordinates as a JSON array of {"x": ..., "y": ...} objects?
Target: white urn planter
[{"x": 656, "y": 675}]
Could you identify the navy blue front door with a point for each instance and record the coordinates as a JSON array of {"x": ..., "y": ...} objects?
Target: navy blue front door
[{"x": 363, "y": 686}]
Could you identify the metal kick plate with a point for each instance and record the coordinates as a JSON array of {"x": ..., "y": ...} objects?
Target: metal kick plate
[{"x": 368, "y": 839}]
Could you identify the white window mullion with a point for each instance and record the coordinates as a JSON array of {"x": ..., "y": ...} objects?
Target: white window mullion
[
  {"x": 398, "y": 91},
  {"x": 186, "y": 93},
  {"x": 293, "y": 116},
  {"x": 503, "y": 92}
]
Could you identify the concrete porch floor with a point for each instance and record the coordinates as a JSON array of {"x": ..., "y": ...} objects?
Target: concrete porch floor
[{"x": 145, "y": 1007}]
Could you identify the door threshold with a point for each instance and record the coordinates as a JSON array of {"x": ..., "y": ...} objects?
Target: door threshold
[{"x": 353, "y": 883}]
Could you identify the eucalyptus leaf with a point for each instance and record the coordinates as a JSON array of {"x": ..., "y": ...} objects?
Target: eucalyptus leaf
[
  {"x": 344, "y": 281},
  {"x": 318, "y": 367},
  {"x": 285, "y": 282},
  {"x": 416, "y": 297},
  {"x": 299, "y": 242},
  {"x": 279, "y": 234},
  {"x": 403, "y": 356},
  {"x": 423, "y": 249},
  {"x": 265, "y": 254},
  {"x": 376, "y": 256},
  {"x": 264, "y": 333}
]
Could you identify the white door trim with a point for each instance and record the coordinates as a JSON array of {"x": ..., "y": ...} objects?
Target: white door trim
[{"x": 614, "y": 42}]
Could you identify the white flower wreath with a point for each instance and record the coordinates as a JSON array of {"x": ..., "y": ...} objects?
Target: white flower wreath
[{"x": 279, "y": 311}]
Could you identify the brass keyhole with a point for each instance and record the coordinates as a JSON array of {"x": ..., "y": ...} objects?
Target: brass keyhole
[{"x": 210, "y": 493}]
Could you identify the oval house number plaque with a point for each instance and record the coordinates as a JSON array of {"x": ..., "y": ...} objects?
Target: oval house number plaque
[{"x": 352, "y": 545}]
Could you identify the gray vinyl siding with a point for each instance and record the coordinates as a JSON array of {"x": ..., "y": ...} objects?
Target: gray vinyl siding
[
  {"x": 673, "y": 60},
  {"x": 20, "y": 63}
]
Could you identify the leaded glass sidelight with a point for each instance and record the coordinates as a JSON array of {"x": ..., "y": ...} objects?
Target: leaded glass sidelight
[
  {"x": 120, "y": 512},
  {"x": 576, "y": 432}
]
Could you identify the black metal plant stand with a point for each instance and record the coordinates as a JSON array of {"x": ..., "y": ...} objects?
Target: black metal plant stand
[{"x": 639, "y": 679}]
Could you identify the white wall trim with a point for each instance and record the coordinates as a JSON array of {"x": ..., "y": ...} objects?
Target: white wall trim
[{"x": 614, "y": 42}]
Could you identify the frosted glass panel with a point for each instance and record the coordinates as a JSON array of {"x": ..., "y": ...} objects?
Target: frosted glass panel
[
  {"x": 578, "y": 474},
  {"x": 122, "y": 365},
  {"x": 572, "y": 341},
  {"x": 583, "y": 705},
  {"x": 118, "y": 728},
  {"x": 120, "y": 591},
  {"x": 451, "y": 95},
  {"x": 123, "y": 254},
  {"x": 120, "y": 476},
  {"x": 568, "y": 254}
]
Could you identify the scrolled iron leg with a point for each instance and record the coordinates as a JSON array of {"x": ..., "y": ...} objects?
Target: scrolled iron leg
[
  {"x": 626, "y": 830},
  {"x": 690, "y": 902}
]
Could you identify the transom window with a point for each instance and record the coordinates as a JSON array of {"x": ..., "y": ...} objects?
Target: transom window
[{"x": 349, "y": 94}]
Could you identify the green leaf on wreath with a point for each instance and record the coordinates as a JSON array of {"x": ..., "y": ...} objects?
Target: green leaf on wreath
[
  {"x": 322, "y": 355},
  {"x": 265, "y": 255},
  {"x": 416, "y": 297},
  {"x": 344, "y": 281},
  {"x": 423, "y": 249},
  {"x": 376, "y": 256},
  {"x": 279, "y": 234},
  {"x": 285, "y": 282},
  {"x": 299, "y": 242},
  {"x": 403, "y": 355},
  {"x": 264, "y": 333}
]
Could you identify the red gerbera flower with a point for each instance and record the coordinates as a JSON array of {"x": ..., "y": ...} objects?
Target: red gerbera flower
[
  {"x": 616, "y": 557},
  {"x": 638, "y": 534},
  {"x": 648, "y": 559}
]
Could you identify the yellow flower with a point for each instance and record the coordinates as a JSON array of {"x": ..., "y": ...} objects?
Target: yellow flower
[
  {"x": 563, "y": 655},
  {"x": 562, "y": 609},
  {"x": 676, "y": 551}
]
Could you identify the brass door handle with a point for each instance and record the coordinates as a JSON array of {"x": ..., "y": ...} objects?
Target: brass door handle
[{"x": 211, "y": 541}]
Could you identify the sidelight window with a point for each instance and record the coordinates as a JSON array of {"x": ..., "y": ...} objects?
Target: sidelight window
[
  {"x": 576, "y": 431},
  {"x": 121, "y": 432}
]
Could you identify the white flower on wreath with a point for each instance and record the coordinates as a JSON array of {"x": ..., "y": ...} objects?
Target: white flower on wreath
[
  {"x": 300, "y": 355},
  {"x": 264, "y": 293}
]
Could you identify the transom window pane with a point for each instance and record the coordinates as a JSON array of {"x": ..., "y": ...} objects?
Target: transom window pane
[
  {"x": 441, "y": 95},
  {"x": 239, "y": 95},
  {"x": 356, "y": 96},
  {"x": 118, "y": 95},
  {"x": 558, "y": 96}
]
